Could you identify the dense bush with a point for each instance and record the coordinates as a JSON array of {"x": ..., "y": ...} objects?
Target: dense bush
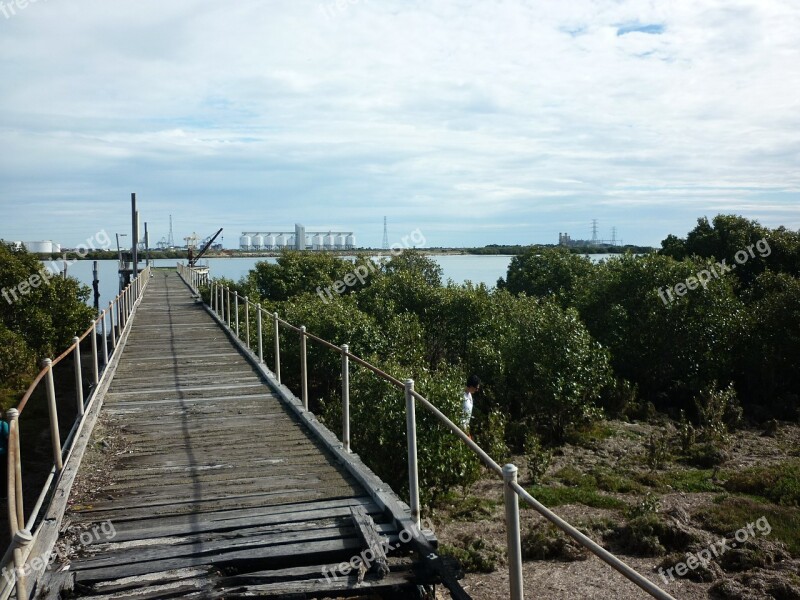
[{"x": 39, "y": 323}]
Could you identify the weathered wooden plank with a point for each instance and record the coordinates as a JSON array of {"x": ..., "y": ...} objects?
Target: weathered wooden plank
[
  {"x": 328, "y": 551},
  {"x": 231, "y": 519},
  {"x": 373, "y": 541},
  {"x": 396, "y": 582},
  {"x": 196, "y": 546}
]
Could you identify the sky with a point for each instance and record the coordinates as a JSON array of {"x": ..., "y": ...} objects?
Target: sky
[{"x": 473, "y": 122}]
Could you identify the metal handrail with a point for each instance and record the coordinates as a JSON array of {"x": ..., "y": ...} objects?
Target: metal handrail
[
  {"x": 21, "y": 531},
  {"x": 512, "y": 490}
]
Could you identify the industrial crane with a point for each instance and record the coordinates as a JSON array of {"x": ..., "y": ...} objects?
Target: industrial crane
[{"x": 193, "y": 259}]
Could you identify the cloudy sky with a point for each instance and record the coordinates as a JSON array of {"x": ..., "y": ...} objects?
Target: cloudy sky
[{"x": 476, "y": 121}]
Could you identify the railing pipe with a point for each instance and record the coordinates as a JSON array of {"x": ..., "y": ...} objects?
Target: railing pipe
[
  {"x": 345, "y": 398},
  {"x": 513, "y": 540},
  {"x": 76, "y": 360},
  {"x": 95, "y": 359},
  {"x": 229, "y": 305},
  {"x": 260, "y": 337},
  {"x": 247, "y": 321},
  {"x": 105, "y": 341},
  {"x": 236, "y": 302},
  {"x": 277, "y": 334},
  {"x": 411, "y": 436},
  {"x": 113, "y": 328},
  {"x": 14, "y": 472},
  {"x": 21, "y": 539},
  {"x": 303, "y": 367},
  {"x": 55, "y": 436}
]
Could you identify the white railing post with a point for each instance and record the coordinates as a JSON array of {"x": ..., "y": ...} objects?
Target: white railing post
[
  {"x": 123, "y": 313},
  {"x": 303, "y": 367},
  {"x": 236, "y": 303},
  {"x": 211, "y": 299},
  {"x": 345, "y": 398},
  {"x": 95, "y": 359},
  {"x": 277, "y": 347},
  {"x": 105, "y": 341},
  {"x": 260, "y": 336},
  {"x": 513, "y": 533},
  {"x": 76, "y": 359},
  {"x": 21, "y": 539},
  {"x": 247, "y": 321},
  {"x": 229, "y": 305},
  {"x": 411, "y": 435},
  {"x": 55, "y": 435},
  {"x": 113, "y": 327},
  {"x": 16, "y": 521}
]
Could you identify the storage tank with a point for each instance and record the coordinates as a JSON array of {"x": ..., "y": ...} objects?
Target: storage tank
[
  {"x": 245, "y": 242},
  {"x": 56, "y": 247},
  {"x": 351, "y": 241},
  {"x": 258, "y": 242},
  {"x": 280, "y": 241},
  {"x": 45, "y": 247},
  {"x": 330, "y": 241},
  {"x": 290, "y": 242},
  {"x": 317, "y": 244},
  {"x": 341, "y": 240},
  {"x": 269, "y": 241}
]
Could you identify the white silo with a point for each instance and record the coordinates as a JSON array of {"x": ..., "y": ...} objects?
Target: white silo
[
  {"x": 56, "y": 247},
  {"x": 258, "y": 242},
  {"x": 269, "y": 242},
  {"x": 351, "y": 241},
  {"x": 245, "y": 242},
  {"x": 341, "y": 240},
  {"x": 330, "y": 241},
  {"x": 317, "y": 245},
  {"x": 45, "y": 247},
  {"x": 290, "y": 241},
  {"x": 280, "y": 241}
]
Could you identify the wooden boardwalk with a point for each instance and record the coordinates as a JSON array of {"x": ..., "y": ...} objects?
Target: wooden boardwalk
[{"x": 221, "y": 491}]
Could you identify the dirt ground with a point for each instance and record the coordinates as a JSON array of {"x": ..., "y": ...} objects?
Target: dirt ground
[{"x": 624, "y": 450}]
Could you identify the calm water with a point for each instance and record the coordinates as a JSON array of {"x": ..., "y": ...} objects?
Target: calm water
[{"x": 459, "y": 268}]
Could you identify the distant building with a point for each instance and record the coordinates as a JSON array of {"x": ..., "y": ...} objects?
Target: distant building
[{"x": 299, "y": 239}]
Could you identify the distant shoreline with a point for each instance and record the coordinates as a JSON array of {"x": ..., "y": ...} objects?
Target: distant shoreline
[{"x": 180, "y": 254}]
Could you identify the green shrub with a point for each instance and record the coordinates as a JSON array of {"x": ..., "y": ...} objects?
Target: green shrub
[
  {"x": 378, "y": 429},
  {"x": 779, "y": 483},
  {"x": 657, "y": 451},
  {"x": 651, "y": 535},
  {"x": 475, "y": 554},
  {"x": 543, "y": 541},
  {"x": 728, "y": 514},
  {"x": 705, "y": 456},
  {"x": 719, "y": 412},
  {"x": 556, "y": 496}
]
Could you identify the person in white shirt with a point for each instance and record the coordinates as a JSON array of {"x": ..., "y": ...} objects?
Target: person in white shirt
[{"x": 473, "y": 385}]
